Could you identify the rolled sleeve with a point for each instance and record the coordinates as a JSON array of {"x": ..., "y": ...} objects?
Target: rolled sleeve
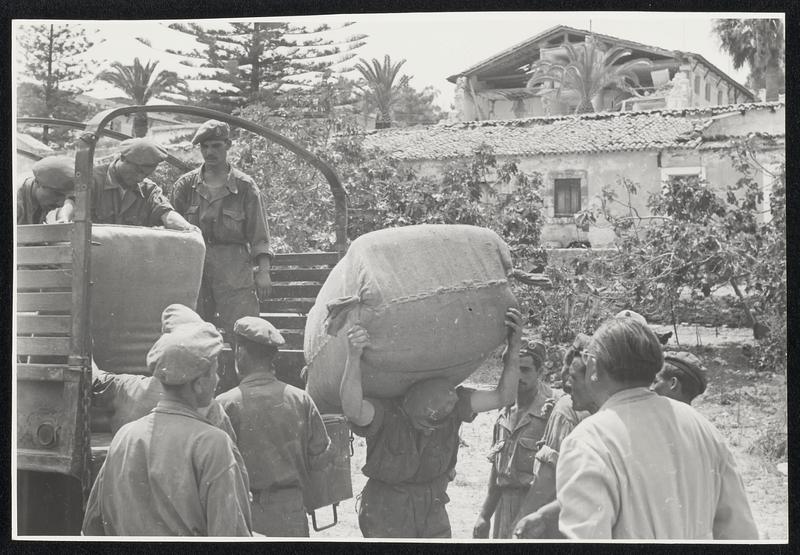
[
  {"x": 547, "y": 455},
  {"x": 105, "y": 386},
  {"x": 256, "y": 228},
  {"x": 180, "y": 193},
  {"x": 372, "y": 429},
  {"x": 157, "y": 204},
  {"x": 463, "y": 409}
]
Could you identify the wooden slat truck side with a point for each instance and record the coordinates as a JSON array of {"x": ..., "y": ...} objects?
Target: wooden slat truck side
[{"x": 55, "y": 447}]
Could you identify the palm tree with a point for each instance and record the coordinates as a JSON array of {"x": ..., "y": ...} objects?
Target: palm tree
[
  {"x": 382, "y": 91},
  {"x": 760, "y": 44},
  {"x": 141, "y": 83},
  {"x": 587, "y": 70}
]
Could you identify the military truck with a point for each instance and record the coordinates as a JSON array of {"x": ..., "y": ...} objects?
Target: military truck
[{"x": 57, "y": 452}]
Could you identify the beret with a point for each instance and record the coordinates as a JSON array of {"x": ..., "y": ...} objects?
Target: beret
[
  {"x": 212, "y": 130},
  {"x": 258, "y": 330},
  {"x": 184, "y": 354},
  {"x": 631, "y": 314},
  {"x": 427, "y": 399},
  {"x": 535, "y": 350},
  {"x": 142, "y": 151},
  {"x": 55, "y": 172},
  {"x": 177, "y": 314},
  {"x": 690, "y": 365}
]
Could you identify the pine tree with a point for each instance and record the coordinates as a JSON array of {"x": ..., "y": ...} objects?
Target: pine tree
[
  {"x": 49, "y": 66},
  {"x": 262, "y": 59}
]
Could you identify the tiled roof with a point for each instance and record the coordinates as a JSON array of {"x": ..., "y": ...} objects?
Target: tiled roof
[{"x": 598, "y": 132}]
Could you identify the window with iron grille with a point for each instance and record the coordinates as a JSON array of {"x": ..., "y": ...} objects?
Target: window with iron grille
[{"x": 567, "y": 196}]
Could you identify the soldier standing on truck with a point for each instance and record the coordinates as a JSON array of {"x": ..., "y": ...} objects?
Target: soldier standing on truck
[
  {"x": 52, "y": 186},
  {"x": 225, "y": 204},
  {"x": 517, "y": 432},
  {"x": 280, "y": 432},
  {"x": 171, "y": 473},
  {"x": 412, "y": 441},
  {"x": 122, "y": 194}
]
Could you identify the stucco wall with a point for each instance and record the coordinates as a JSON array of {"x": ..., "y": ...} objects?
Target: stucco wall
[
  {"x": 598, "y": 170},
  {"x": 740, "y": 124}
]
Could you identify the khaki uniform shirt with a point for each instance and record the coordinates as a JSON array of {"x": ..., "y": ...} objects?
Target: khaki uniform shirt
[
  {"x": 170, "y": 473},
  {"x": 235, "y": 216},
  {"x": 279, "y": 429},
  {"x": 399, "y": 453},
  {"x": 648, "y": 467},
  {"x": 112, "y": 203},
  {"x": 514, "y": 444}
]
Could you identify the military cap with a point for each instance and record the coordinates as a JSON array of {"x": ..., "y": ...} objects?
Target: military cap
[
  {"x": 535, "y": 351},
  {"x": 428, "y": 399},
  {"x": 258, "y": 330},
  {"x": 177, "y": 314},
  {"x": 631, "y": 314},
  {"x": 55, "y": 172},
  {"x": 184, "y": 354},
  {"x": 690, "y": 365},
  {"x": 212, "y": 130},
  {"x": 144, "y": 152}
]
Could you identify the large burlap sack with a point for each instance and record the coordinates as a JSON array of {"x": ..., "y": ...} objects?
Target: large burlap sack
[
  {"x": 432, "y": 297},
  {"x": 136, "y": 273}
]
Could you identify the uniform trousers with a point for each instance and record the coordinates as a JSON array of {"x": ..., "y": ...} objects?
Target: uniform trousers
[
  {"x": 279, "y": 512},
  {"x": 404, "y": 510}
]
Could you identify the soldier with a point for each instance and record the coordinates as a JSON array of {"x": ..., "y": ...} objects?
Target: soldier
[
  {"x": 538, "y": 516},
  {"x": 682, "y": 378},
  {"x": 122, "y": 194},
  {"x": 280, "y": 432},
  {"x": 171, "y": 473},
  {"x": 128, "y": 397},
  {"x": 52, "y": 186},
  {"x": 514, "y": 444},
  {"x": 412, "y": 441},
  {"x": 225, "y": 204}
]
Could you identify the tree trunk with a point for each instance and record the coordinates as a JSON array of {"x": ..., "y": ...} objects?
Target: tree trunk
[
  {"x": 585, "y": 107},
  {"x": 48, "y": 87},
  {"x": 140, "y": 124},
  {"x": 772, "y": 78}
]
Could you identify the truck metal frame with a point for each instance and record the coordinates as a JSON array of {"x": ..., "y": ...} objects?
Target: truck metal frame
[{"x": 53, "y": 344}]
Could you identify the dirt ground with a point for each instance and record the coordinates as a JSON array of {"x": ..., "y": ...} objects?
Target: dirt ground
[{"x": 741, "y": 403}]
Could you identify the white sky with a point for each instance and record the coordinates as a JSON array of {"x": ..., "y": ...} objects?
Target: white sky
[{"x": 436, "y": 45}]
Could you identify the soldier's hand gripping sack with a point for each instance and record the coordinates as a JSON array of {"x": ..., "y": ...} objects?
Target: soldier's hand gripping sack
[{"x": 432, "y": 297}]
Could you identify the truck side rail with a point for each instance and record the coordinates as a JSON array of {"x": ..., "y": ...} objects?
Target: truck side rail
[{"x": 177, "y": 162}]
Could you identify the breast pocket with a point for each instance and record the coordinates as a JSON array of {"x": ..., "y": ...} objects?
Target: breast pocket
[
  {"x": 524, "y": 455},
  {"x": 233, "y": 224}
]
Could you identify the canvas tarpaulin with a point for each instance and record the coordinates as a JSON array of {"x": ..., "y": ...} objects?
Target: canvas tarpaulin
[
  {"x": 136, "y": 273},
  {"x": 432, "y": 298}
]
